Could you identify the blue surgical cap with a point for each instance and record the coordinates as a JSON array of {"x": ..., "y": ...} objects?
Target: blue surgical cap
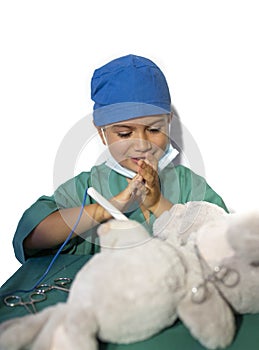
[{"x": 128, "y": 87}]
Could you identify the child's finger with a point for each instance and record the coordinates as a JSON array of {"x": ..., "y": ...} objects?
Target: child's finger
[
  {"x": 138, "y": 189},
  {"x": 136, "y": 184},
  {"x": 148, "y": 173},
  {"x": 152, "y": 161}
]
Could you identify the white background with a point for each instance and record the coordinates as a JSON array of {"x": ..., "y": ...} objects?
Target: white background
[{"x": 207, "y": 49}]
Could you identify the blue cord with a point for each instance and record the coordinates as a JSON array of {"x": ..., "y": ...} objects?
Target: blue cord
[{"x": 57, "y": 253}]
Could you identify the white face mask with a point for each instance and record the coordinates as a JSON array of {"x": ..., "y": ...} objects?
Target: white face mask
[{"x": 167, "y": 158}]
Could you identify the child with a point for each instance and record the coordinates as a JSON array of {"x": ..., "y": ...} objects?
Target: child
[{"x": 132, "y": 113}]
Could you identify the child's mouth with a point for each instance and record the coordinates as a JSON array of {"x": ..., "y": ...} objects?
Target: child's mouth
[{"x": 135, "y": 160}]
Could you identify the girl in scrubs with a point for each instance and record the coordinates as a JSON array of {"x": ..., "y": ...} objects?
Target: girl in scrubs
[{"x": 132, "y": 113}]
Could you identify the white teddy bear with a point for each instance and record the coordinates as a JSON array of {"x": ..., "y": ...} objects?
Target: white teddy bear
[{"x": 201, "y": 264}]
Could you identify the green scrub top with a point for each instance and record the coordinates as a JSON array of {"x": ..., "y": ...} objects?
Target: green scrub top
[{"x": 178, "y": 184}]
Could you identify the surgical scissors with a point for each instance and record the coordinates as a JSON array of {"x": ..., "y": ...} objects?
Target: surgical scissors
[
  {"x": 59, "y": 284},
  {"x": 34, "y": 297}
]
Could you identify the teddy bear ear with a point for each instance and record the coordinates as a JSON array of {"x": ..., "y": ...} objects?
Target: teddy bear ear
[
  {"x": 210, "y": 320},
  {"x": 243, "y": 235}
]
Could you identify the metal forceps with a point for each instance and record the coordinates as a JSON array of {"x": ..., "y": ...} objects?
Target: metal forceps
[
  {"x": 227, "y": 276},
  {"x": 59, "y": 284},
  {"x": 16, "y": 300}
]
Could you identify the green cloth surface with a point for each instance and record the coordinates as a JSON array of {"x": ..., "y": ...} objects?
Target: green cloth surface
[{"x": 176, "y": 337}]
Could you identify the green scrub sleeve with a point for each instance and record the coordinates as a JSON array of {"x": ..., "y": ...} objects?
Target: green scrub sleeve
[
  {"x": 43, "y": 207},
  {"x": 194, "y": 187},
  {"x": 212, "y": 197},
  {"x": 68, "y": 195}
]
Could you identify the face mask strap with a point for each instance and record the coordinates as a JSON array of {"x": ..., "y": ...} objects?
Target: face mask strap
[{"x": 104, "y": 137}]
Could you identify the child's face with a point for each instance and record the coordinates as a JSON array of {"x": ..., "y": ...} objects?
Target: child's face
[{"x": 139, "y": 138}]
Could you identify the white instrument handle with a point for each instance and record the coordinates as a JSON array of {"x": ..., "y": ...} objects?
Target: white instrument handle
[{"x": 106, "y": 204}]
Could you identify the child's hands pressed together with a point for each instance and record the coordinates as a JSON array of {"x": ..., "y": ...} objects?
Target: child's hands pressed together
[
  {"x": 148, "y": 176},
  {"x": 143, "y": 189},
  {"x": 133, "y": 193},
  {"x": 151, "y": 197}
]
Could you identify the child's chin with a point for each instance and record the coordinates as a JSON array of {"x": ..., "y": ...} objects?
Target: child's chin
[{"x": 130, "y": 165}]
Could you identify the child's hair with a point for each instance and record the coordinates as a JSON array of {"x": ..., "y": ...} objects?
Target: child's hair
[{"x": 128, "y": 87}]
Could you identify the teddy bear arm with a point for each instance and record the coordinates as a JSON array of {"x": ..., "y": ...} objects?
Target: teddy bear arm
[
  {"x": 20, "y": 332},
  {"x": 211, "y": 322},
  {"x": 78, "y": 330}
]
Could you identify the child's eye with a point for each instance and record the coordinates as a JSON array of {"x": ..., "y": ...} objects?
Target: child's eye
[
  {"x": 154, "y": 130},
  {"x": 124, "y": 134}
]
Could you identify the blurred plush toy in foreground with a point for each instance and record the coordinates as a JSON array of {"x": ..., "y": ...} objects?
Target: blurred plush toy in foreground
[{"x": 201, "y": 267}]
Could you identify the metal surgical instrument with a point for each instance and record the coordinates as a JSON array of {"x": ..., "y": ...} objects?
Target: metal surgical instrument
[
  {"x": 59, "y": 284},
  {"x": 34, "y": 297}
]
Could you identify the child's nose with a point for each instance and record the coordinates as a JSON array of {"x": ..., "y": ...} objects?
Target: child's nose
[{"x": 142, "y": 144}]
